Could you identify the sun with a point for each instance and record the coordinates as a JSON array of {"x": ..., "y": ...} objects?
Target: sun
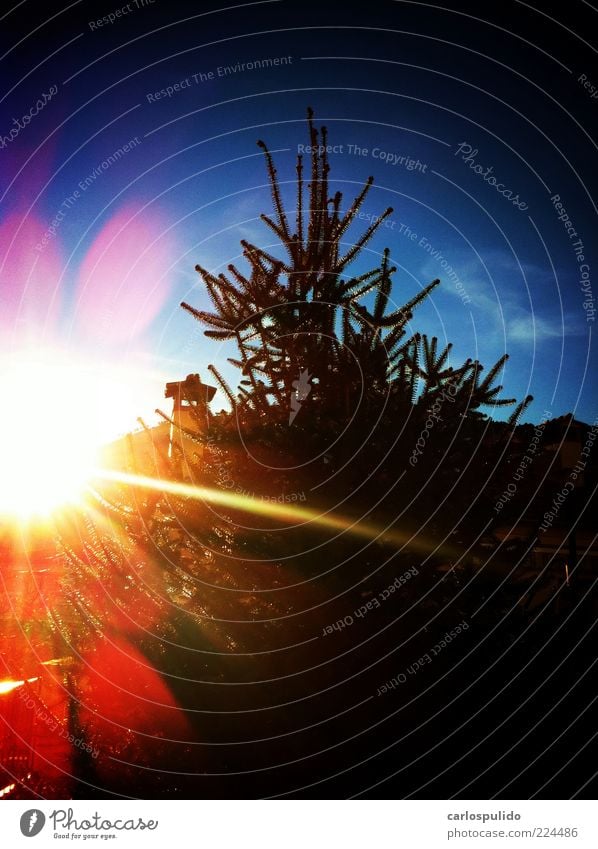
[
  {"x": 59, "y": 411},
  {"x": 48, "y": 442}
]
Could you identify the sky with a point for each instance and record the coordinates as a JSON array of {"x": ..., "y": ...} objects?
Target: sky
[{"x": 128, "y": 154}]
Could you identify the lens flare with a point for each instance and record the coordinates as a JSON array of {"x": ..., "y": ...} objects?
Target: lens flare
[
  {"x": 280, "y": 513},
  {"x": 9, "y": 685},
  {"x": 60, "y": 413}
]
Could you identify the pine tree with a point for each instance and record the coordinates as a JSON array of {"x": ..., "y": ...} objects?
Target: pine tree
[
  {"x": 335, "y": 389},
  {"x": 298, "y": 310}
]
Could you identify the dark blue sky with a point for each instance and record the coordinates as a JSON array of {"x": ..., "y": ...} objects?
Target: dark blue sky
[{"x": 389, "y": 80}]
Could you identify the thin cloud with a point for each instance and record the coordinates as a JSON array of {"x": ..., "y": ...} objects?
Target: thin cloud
[{"x": 528, "y": 328}]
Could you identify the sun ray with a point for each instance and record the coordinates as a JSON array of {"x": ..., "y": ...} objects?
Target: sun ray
[
  {"x": 8, "y": 686},
  {"x": 280, "y": 513}
]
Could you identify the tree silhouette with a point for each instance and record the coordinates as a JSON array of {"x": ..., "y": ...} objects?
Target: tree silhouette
[
  {"x": 303, "y": 323},
  {"x": 335, "y": 390},
  {"x": 298, "y": 311}
]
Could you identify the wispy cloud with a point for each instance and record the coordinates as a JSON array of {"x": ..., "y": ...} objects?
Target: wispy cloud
[
  {"x": 528, "y": 328},
  {"x": 507, "y": 295}
]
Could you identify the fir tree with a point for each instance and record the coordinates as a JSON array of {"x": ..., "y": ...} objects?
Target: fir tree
[
  {"x": 335, "y": 388},
  {"x": 298, "y": 310}
]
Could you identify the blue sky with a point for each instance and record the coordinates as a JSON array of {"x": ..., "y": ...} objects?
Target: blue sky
[{"x": 391, "y": 80}]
